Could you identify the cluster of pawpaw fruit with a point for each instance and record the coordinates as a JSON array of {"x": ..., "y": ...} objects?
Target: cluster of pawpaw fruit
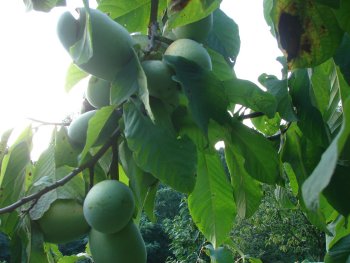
[{"x": 107, "y": 212}]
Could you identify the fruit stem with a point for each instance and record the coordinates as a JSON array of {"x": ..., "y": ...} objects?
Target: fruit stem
[{"x": 153, "y": 24}]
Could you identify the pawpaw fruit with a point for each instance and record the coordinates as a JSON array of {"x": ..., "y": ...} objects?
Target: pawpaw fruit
[{"x": 98, "y": 92}]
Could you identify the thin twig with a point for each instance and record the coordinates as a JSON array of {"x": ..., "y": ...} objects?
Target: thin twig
[
  {"x": 251, "y": 115},
  {"x": 91, "y": 176},
  {"x": 277, "y": 136},
  {"x": 65, "y": 179},
  {"x": 50, "y": 123},
  {"x": 114, "y": 168}
]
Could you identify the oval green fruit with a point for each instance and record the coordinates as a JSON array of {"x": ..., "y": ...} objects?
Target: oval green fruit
[
  {"x": 125, "y": 246},
  {"x": 190, "y": 50},
  {"x": 159, "y": 82},
  {"x": 98, "y": 92},
  {"x": 109, "y": 206},
  {"x": 111, "y": 42},
  {"x": 77, "y": 130},
  {"x": 197, "y": 31},
  {"x": 63, "y": 222}
]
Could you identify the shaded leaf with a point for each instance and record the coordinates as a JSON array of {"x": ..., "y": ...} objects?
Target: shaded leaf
[
  {"x": 248, "y": 94},
  {"x": 340, "y": 252},
  {"x": 219, "y": 255},
  {"x": 211, "y": 203},
  {"x": 221, "y": 69},
  {"x": 322, "y": 175},
  {"x": 172, "y": 160},
  {"x": 330, "y": 3},
  {"x": 342, "y": 14},
  {"x": 342, "y": 57}
]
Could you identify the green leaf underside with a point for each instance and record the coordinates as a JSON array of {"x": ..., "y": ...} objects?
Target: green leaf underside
[
  {"x": 261, "y": 159},
  {"x": 322, "y": 175},
  {"x": 247, "y": 191},
  {"x": 12, "y": 182},
  {"x": 73, "y": 76},
  {"x": 211, "y": 203},
  {"x": 172, "y": 160}
]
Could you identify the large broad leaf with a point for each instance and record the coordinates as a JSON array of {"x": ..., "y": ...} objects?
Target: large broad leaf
[
  {"x": 340, "y": 252},
  {"x": 12, "y": 182},
  {"x": 308, "y": 33},
  {"x": 219, "y": 255},
  {"x": 342, "y": 57},
  {"x": 224, "y": 37},
  {"x": 205, "y": 92},
  {"x": 135, "y": 17},
  {"x": 260, "y": 157},
  {"x": 211, "y": 203},
  {"x": 247, "y": 191},
  {"x": 172, "y": 160},
  {"x": 184, "y": 12},
  {"x": 73, "y": 76},
  {"x": 342, "y": 15},
  {"x": 310, "y": 118},
  {"x": 279, "y": 89},
  {"x": 246, "y": 93},
  {"x": 143, "y": 184},
  {"x": 323, "y": 173}
]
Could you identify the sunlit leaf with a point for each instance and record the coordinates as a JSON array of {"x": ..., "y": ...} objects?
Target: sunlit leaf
[{"x": 211, "y": 203}]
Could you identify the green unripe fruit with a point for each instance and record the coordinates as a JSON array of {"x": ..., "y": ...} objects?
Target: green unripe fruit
[
  {"x": 111, "y": 42},
  {"x": 125, "y": 246},
  {"x": 190, "y": 50},
  {"x": 77, "y": 130},
  {"x": 98, "y": 92},
  {"x": 109, "y": 206},
  {"x": 159, "y": 82},
  {"x": 197, "y": 31},
  {"x": 63, "y": 222}
]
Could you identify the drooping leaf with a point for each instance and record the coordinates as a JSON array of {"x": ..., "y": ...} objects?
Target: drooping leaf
[
  {"x": 260, "y": 157},
  {"x": 307, "y": 32},
  {"x": 283, "y": 199},
  {"x": 224, "y": 37},
  {"x": 310, "y": 118},
  {"x": 246, "y": 190},
  {"x": 206, "y": 94},
  {"x": 340, "y": 252},
  {"x": 248, "y": 94},
  {"x": 12, "y": 182},
  {"x": 211, "y": 203},
  {"x": 323, "y": 173},
  {"x": 73, "y": 76},
  {"x": 65, "y": 153},
  {"x": 135, "y": 17},
  {"x": 172, "y": 160},
  {"x": 279, "y": 89}
]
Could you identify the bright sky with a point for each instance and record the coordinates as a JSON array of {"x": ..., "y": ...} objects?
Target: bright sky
[{"x": 33, "y": 63}]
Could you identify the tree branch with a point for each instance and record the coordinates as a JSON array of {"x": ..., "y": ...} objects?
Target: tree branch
[
  {"x": 153, "y": 24},
  {"x": 65, "y": 179},
  {"x": 50, "y": 123},
  {"x": 251, "y": 115}
]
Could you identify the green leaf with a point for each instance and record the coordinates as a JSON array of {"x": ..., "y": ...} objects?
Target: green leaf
[
  {"x": 211, "y": 202},
  {"x": 310, "y": 118},
  {"x": 206, "y": 94},
  {"x": 12, "y": 182},
  {"x": 330, "y": 3},
  {"x": 340, "y": 252},
  {"x": 261, "y": 159},
  {"x": 342, "y": 14},
  {"x": 246, "y": 190},
  {"x": 20, "y": 241},
  {"x": 135, "y": 16},
  {"x": 3, "y": 144},
  {"x": 73, "y": 76},
  {"x": 323, "y": 173},
  {"x": 104, "y": 118},
  {"x": 65, "y": 153},
  {"x": 37, "y": 252},
  {"x": 266, "y": 125},
  {"x": 224, "y": 36},
  {"x": 246, "y": 93},
  {"x": 221, "y": 69},
  {"x": 339, "y": 229},
  {"x": 172, "y": 160},
  {"x": 342, "y": 57},
  {"x": 283, "y": 199},
  {"x": 192, "y": 11},
  {"x": 279, "y": 89},
  {"x": 219, "y": 255}
]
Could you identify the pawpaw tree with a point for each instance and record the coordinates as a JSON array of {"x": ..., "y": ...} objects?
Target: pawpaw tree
[{"x": 168, "y": 116}]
